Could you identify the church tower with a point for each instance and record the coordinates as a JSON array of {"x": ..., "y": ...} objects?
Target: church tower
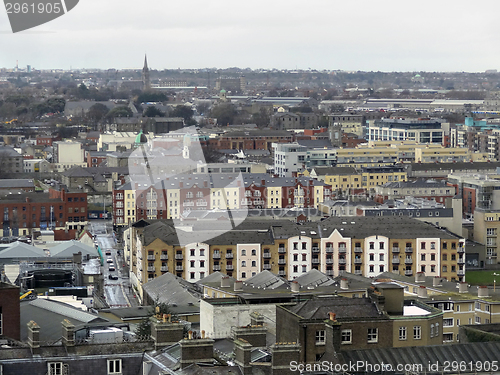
[{"x": 145, "y": 75}]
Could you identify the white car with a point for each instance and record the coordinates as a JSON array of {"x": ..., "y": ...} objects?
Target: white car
[{"x": 109, "y": 260}]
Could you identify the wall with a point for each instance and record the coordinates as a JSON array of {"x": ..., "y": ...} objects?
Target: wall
[{"x": 220, "y": 318}]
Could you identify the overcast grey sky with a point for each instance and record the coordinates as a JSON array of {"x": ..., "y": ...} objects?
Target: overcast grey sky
[{"x": 386, "y": 35}]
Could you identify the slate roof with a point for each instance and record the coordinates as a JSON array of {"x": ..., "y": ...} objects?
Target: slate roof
[
  {"x": 265, "y": 279},
  {"x": 68, "y": 248},
  {"x": 16, "y": 183},
  {"x": 49, "y": 315},
  {"x": 462, "y": 353},
  {"x": 171, "y": 289},
  {"x": 21, "y": 250},
  {"x": 345, "y": 308},
  {"x": 314, "y": 278}
]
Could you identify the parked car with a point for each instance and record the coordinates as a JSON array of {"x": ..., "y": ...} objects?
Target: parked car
[
  {"x": 111, "y": 268},
  {"x": 109, "y": 260},
  {"x": 113, "y": 277}
]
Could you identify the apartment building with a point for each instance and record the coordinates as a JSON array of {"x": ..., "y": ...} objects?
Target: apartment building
[
  {"x": 418, "y": 130},
  {"x": 435, "y": 190},
  {"x": 180, "y": 194},
  {"x": 362, "y": 245}
]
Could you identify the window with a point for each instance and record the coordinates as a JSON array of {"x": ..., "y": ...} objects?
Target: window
[
  {"x": 254, "y": 252},
  {"x": 243, "y": 263},
  {"x": 372, "y": 335},
  {"x": 432, "y": 330},
  {"x": 346, "y": 337},
  {"x": 254, "y": 263},
  {"x": 381, "y": 268},
  {"x": 372, "y": 257},
  {"x": 417, "y": 332},
  {"x": 243, "y": 252},
  {"x": 372, "y": 269},
  {"x": 381, "y": 257},
  {"x": 192, "y": 275},
  {"x": 114, "y": 366},
  {"x": 448, "y": 322},
  {"x": 320, "y": 337},
  {"x": 243, "y": 275},
  {"x": 402, "y": 333},
  {"x": 55, "y": 368},
  {"x": 422, "y": 245}
]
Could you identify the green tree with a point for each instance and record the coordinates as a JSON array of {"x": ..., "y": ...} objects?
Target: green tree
[
  {"x": 182, "y": 111},
  {"x": 152, "y": 111},
  {"x": 97, "y": 112},
  {"x": 225, "y": 113},
  {"x": 120, "y": 111},
  {"x": 262, "y": 118}
]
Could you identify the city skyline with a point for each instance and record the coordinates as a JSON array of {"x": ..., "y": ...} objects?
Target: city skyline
[{"x": 317, "y": 35}]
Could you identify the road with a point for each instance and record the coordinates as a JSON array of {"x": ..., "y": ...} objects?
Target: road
[{"x": 115, "y": 291}]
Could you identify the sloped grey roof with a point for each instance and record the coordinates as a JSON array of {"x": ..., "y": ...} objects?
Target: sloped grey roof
[
  {"x": 462, "y": 353},
  {"x": 21, "y": 250},
  {"x": 68, "y": 248},
  {"x": 345, "y": 308},
  {"x": 265, "y": 279},
  {"x": 49, "y": 315},
  {"x": 16, "y": 183},
  {"x": 213, "y": 278},
  {"x": 314, "y": 278},
  {"x": 170, "y": 289}
]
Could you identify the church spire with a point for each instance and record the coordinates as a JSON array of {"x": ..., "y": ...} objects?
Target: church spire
[{"x": 145, "y": 75}]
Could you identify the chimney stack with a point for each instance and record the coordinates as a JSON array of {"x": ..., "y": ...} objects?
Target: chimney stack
[
  {"x": 68, "y": 333},
  {"x": 238, "y": 286},
  {"x": 482, "y": 291},
  {"x": 462, "y": 287},
  {"x": 332, "y": 316},
  {"x": 436, "y": 281},
  {"x": 243, "y": 355},
  {"x": 422, "y": 292},
  {"x": 420, "y": 277},
  {"x": 196, "y": 351},
  {"x": 225, "y": 282},
  {"x": 34, "y": 336},
  {"x": 344, "y": 283},
  {"x": 295, "y": 286}
]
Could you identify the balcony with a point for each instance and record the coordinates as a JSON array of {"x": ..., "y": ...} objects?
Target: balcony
[
  {"x": 315, "y": 249},
  {"x": 216, "y": 267},
  {"x": 282, "y": 273},
  {"x": 461, "y": 250},
  {"x": 329, "y": 272},
  {"x": 179, "y": 256},
  {"x": 395, "y": 249},
  {"x": 267, "y": 266},
  {"x": 342, "y": 261},
  {"x": 329, "y": 250},
  {"x": 164, "y": 269},
  {"x": 216, "y": 255},
  {"x": 267, "y": 255},
  {"x": 409, "y": 250},
  {"x": 315, "y": 261},
  {"x": 329, "y": 261},
  {"x": 461, "y": 273},
  {"x": 281, "y": 261},
  {"x": 179, "y": 268},
  {"x": 188, "y": 204},
  {"x": 229, "y": 255},
  {"x": 151, "y": 268},
  {"x": 201, "y": 204},
  {"x": 357, "y": 261},
  {"x": 461, "y": 260},
  {"x": 358, "y": 249},
  {"x": 395, "y": 260},
  {"x": 408, "y": 261},
  {"x": 342, "y": 249},
  {"x": 229, "y": 267},
  {"x": 151, "y": 257},
  {"x": 281, "y": 250},
  {"x": 163, "y": 257},
  {"x": 408, "y": 272}
]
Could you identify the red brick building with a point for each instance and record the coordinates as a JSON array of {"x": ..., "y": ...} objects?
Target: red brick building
[
  {"x": 57, "y": 210},
  {"x": 10, "y": 313},
  {"x": 251, "y": 140}
]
